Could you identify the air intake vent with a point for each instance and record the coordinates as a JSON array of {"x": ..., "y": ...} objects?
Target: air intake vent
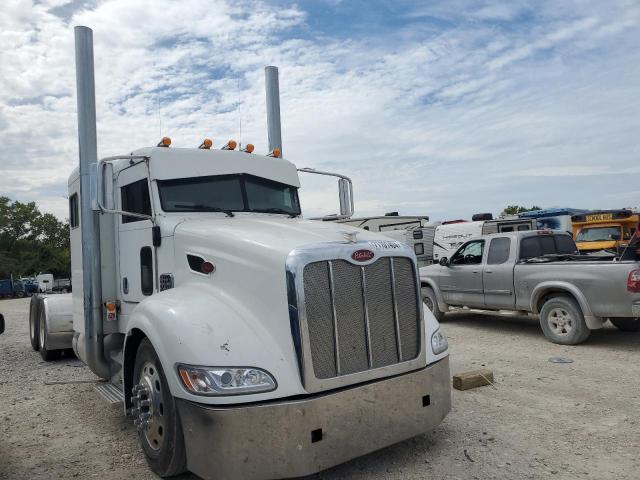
[{"x": 166, "y": 281}]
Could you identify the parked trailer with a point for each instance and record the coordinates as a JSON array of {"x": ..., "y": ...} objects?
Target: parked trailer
[
  {"x": 227, "y": 323},
  {"x": 553, "y": 218}
]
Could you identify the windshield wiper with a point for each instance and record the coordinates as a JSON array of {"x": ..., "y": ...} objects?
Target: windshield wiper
[
  {"x": 277, "y": 210},
  {"x": 205, "y": 208}
]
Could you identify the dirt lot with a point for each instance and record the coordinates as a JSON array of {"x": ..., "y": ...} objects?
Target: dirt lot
[{"x": 543, "y": 420}]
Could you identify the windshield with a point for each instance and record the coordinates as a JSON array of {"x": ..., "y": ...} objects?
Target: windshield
[
  {"x": 237, "y": 193},
  {"x": 599, "y": 234}
]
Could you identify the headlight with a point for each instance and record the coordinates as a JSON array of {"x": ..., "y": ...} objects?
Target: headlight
[
  {"x": 225, "y": 380},
  {"x": 439, "y": 342}
]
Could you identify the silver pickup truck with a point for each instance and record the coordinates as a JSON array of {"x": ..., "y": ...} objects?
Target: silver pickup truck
[{"x": 538, "y": 272}]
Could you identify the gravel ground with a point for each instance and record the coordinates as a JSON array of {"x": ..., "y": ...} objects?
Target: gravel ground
[{"x": 542, "y": 420}]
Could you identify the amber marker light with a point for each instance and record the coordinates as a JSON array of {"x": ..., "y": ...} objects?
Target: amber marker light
[
  {"x": 249, "y": 148},
  {"x": 206, "y": 144},
  {"x": 231, "y": 145},
  {"x": 165, "y": 142},
  {"x": 276, "y": 152}
]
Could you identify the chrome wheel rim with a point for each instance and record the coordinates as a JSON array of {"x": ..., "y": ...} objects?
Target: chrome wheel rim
[
  {"x": 41, "y": 332},
  {"x": 148, "y": 404},
  {"x": 560, "y": 321}
]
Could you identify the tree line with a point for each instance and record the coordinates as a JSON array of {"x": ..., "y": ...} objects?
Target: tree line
[{"x": 32, "y": 242}]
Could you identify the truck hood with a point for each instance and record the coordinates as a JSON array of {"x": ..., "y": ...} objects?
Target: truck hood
[{"x": 267, "y": 236}]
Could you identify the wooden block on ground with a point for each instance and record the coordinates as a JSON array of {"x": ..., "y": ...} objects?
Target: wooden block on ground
[{"x": 472, "y": 379}]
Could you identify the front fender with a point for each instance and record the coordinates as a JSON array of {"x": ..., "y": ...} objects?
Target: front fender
[
  {"x": 198, "y": 324},
  {"x": 543, "y": 288}
]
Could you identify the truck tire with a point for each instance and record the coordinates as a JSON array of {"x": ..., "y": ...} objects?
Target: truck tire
[
  {"x": 47, "y": 355},
  {"x": 158, "y": 424},
  {"x": 34, "y": 322},
  {"x": 626, "y": 324},
  {"x": 562, "y": 321},
  {"x": 431, "y": 301}
]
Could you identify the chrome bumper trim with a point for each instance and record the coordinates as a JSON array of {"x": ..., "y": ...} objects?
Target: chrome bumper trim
[{"x": 300, "y": 437}]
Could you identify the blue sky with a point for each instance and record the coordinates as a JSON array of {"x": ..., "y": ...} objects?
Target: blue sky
[{"x": 443, "y": 108}]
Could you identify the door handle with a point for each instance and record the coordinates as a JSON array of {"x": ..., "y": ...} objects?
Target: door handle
[
  {"x": 488, "y": 271},
  {"x": 475, "y": 271}
]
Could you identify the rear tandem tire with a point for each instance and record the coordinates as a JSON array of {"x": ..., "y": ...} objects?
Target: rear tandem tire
[
  {"x": 626, "y": 324},
  {"x": 34, "y": 322},
  {"x": 162, "y": 439},
  {"x": 562, "y": 321},
  {"x": 431, "y": 301}
]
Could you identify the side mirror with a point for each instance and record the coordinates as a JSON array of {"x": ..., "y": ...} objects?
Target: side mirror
[
  {"x": 1, "y": 323},
  {"x": 444, "y": 261}
]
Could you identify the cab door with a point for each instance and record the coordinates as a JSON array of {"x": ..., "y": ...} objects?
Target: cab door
[
  {"x": 136, "y": 255},
  {"x": 461, "y": 279},
  {"x": 497, "y": 273}
]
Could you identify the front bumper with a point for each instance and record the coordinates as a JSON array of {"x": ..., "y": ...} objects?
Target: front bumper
[{"x": 300, "y": 437}]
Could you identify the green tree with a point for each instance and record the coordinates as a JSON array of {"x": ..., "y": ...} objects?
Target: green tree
[
  {"x": 31, "y": 241},
  {"x": 516, "y": 209}
]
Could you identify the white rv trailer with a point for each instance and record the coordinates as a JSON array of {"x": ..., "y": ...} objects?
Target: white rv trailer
[
  {"x": 383, "y": 223},
  {"x": 226, "y": 323},
  {"x": 45, "y": 282},
  {"x": 449, "y": 237}
]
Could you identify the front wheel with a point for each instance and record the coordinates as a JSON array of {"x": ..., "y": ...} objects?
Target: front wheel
[
  {"x": 156, "y": 416},
  {"x": 562, "y": 321},
  {"x": 431, "y": 301},
  {"x": 626, "y": 324}
]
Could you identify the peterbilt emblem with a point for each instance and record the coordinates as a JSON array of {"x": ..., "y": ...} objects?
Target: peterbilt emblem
[{"x": 362, "y": 255}]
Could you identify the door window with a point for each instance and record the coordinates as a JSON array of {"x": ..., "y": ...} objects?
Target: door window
[
  {"x": 135, "y": 198},
  {"x": 146, "y": 270},
  {"x": 74, "y": 217},
  {"x": 499, "y": 250},
  {"x": 469, "y": 254}
]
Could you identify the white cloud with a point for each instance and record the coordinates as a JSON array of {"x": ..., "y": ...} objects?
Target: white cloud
[{"x": 445, "y": 120}]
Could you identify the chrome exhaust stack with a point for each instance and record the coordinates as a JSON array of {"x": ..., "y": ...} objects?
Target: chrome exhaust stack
[
  {"x": 274, "y": 130},
  {"x": 90, "y": 221}
]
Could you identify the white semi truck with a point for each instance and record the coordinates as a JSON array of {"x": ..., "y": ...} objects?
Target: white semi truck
[{"x": 244, "y": 341}]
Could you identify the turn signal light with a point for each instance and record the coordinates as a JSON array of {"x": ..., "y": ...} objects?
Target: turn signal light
[
  {"x": 249, "y": 148},
  {"x": 206, "y": 144},
  {"x": 633, "y": 283},
  {"x": 165, "y": 142},
  {"x": 231, "y": 145},
  {"x": 276, "y": 152}
]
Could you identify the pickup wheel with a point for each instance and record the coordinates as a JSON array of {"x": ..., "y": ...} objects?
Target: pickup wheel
[
  {"x": 626, "y": 324},
  {"x": 431, "y": 301},
  {"x": 156, "y": 416},
  {"x": 562, "y": 321},
  {"x": 34, "y": 322}
]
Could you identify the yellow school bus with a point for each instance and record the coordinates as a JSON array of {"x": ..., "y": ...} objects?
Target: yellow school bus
[{"x": 604, "y": 229}]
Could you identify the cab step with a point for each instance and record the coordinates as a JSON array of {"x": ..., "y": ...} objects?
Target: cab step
[{"x": 111, "y": 393}]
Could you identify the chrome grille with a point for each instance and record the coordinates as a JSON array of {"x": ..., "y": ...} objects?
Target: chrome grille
[{"x": 361, "y": 317}]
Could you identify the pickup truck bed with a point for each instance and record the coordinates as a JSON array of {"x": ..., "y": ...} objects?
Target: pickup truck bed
[{"x": 526, "y": 271}]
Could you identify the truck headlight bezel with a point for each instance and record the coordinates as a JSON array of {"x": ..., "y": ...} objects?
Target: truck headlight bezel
[
  {"x": 225, "y": 381},
  {"x": 439, "y": 342}
]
